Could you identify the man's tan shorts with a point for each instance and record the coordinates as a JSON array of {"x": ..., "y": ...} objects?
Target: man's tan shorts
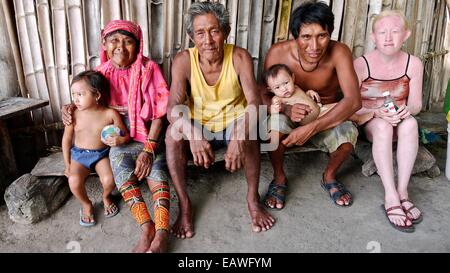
[{"x": 327, "y": 141}]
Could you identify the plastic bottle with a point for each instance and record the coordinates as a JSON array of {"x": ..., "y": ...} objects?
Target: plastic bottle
[{"x": 389, "y": 102}]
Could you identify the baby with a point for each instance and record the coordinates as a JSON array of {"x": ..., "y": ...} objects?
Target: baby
[{"x": 280, "y": 81}]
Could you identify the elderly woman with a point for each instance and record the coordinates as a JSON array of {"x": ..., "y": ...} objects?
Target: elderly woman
[
  {"x": 222, "y": 89},
  {"x": 140, "y": 94},
  {"x": 388, "y": 68}
]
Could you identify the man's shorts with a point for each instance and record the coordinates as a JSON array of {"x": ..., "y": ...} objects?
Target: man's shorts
[
  {"x": 88, "y": 158},
  {"x": 219, "y": 139},
  {"x": 327, "y": 141}
]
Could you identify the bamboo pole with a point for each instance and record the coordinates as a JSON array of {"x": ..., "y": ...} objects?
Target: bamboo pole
[
  {"x": 49, "y": 56},
  {"x": 168, "y": 7},
  {"x": 60, "y": 41},
  {"x": 438, "y": 93},
  {"x": 178, "y": 34},
  {"x": 243, "y": 23},
  {"x": 284, "y": 14},
  {"x": 157, "y": 30},
  {"x": 125, "y": 7},
  {"x": 12, "y": 35},
  {"x": 233, "y": 10},
  {"x": 338, "y": 11},
  {"x": 427, "y": 27},
  {"x": 254, "y": 39},
  {"x": 419, "y": 27},
  {"x": 374, "y": 9},
  {"x": 110, "y": 10},
  {"x": 268, "y": 25},
  {"x": 187, "y": 40},
  {"x": 411, "y": 13},
  {"x": 92, "y": 22},
  {"x": 359, "y": 31},
  {"x": 138, "y": 12},
  {"x": 350, "y": 19},
  {"x": 38, "y": 66},
  {"x": 76, "y": 35},
  {"x": 429, "y": 63}
]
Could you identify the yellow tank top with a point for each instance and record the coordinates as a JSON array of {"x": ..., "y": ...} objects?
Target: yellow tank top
[{"x": 218, "y": 105}]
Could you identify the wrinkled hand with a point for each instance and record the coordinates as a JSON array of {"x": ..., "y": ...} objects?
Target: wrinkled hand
[
  {"x": 392, "y": 118},
  {"x": 276, "y": 105},
  {"x": 299, "y": 135},
  {"x": 297, "y": 112},
  {"x": 313, "y": 95},
  {"x": 235, "y": 155},
  {"x": 202, "y": 153},
  {"x": 403, "y": 112},
  {"x": 66, "y": 114},
  {"x": 143, "y": 165}
]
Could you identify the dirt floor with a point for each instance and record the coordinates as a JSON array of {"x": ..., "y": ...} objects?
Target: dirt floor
[{"x": 308, "y": 223}]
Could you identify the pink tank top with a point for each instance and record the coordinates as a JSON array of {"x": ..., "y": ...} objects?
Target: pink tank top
[{"x": 372, "y": 89}]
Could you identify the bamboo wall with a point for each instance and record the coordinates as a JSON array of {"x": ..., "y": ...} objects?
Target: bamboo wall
[{"x": 57, "y": 38}]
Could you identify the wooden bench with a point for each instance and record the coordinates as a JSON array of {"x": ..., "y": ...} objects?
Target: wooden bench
[{"x": 9, "y": 108}]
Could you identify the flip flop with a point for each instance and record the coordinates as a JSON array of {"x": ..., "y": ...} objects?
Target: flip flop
[
  {"x": 405, "y": 228},
  {"x": 86, "y": 224},
  {"x": 113, "y": 208}
]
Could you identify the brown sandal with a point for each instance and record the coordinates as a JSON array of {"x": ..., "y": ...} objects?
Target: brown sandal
[
  {"x": 404, "y": 228},
  {"x": 408, "y": 211}
]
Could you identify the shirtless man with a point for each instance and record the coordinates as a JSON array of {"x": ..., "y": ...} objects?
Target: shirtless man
[
  {"x": 222, "y": 88},
  {"x": 325, "y": 66}
]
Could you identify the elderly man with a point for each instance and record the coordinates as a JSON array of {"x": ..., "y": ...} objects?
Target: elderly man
[
  {"x": 222, "y": 89},
  {"x": 325, "y": 66}
]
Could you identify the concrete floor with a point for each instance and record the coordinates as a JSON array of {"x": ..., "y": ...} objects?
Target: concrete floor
[{"x": 308, "y": 223}]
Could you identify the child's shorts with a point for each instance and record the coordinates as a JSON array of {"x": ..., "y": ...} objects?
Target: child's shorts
[{"x": 88, "y": 158}]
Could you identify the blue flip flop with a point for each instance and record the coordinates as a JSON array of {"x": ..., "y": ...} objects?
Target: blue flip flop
[{"x": 86, "y": 224}]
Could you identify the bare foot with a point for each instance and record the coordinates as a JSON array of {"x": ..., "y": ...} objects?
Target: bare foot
[
  {"x": 411, "y": 210},
  {"x": 159, "y": 244},
  {"x": 183, "y": 227},
  {"x": 261, "y": 219},
  {"x": 147, "y": 235}
]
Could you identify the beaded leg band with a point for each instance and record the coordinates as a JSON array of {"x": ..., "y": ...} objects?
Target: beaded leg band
[
  {"x": 132, "y": 195},
  {"x": 161, "y": 192}
]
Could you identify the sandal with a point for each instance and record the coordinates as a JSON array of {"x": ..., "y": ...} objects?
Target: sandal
[
  {"x": 340, "y": 191},
  {"x": 114, "y": 210},
  {"x": 404, "y": 228},
  {"x": 276, "y": 191},
  {"x": 408, "y": 211},
  {"x": 87, "y": 224}
]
